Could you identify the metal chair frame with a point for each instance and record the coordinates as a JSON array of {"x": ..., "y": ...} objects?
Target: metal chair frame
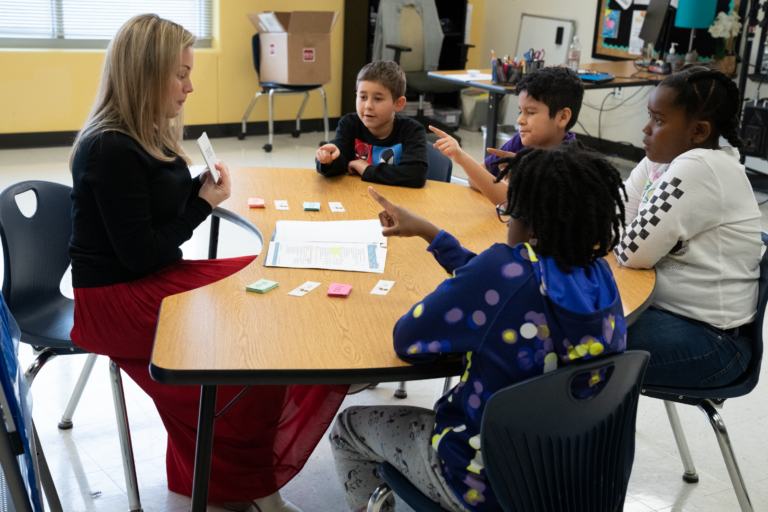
[
  {"x": 66, "y": 347},
  {"x": 705, "y": 400}
]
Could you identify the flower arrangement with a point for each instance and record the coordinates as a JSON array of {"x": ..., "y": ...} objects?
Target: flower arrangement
[{"x": 725, "y": 27}]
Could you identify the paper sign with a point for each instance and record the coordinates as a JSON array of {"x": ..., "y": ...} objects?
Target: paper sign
[
  {"x": 304, "y": 289},
  {"x": 208, "y": 155},
  {"x": 312, "y": 207},
  {"x": 339, "y": 290},
  {"x": 635, "y": 43},
  {"x": 382, "y": 287},
  {"x": 336, "y": 207},
  {"x": 281, "y": 204},
  {"x": 261, "y": 286},
  {"x": 255, "y": 202}
]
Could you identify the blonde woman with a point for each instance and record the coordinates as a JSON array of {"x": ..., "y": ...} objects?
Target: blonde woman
[{"x": 133, "y": 205}]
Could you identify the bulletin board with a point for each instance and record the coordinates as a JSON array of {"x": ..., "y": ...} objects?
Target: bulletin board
[{"x": 618, "y": 24}]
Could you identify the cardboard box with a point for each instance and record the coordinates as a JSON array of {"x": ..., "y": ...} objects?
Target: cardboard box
[{"x": 295, "y": 46}]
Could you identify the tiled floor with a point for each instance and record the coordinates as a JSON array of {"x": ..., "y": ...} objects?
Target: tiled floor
[{"x": 86, "y": 464}]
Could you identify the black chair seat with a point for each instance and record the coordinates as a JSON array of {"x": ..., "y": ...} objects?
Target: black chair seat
[
  {"x": 298, "y": 88},
  {"x": 421, "y": 82},
  {"x": 48, "y": 324}
]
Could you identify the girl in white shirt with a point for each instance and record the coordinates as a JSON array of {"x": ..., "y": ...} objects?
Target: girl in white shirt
[{"x": 696, "y": 221}]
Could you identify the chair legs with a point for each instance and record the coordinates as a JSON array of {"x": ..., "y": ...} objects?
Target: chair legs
[
  {"x": 378, "y": 498},
  {"x": 401, "y": 392},
  {"x": 297, "y": 132},
  {"x": 66, "y": 419},
  {"x": 123, "y": 429},
  {"x": 325, "y": 117},
  {"x": 43, "y": 473},
  {"x": 241, "y": 135},
  {"x": 690, "y": 474},
  {"x": 268, "y": 147},
  {"x": 43, "y": 357},
  {"x": 727, "y": 450}
]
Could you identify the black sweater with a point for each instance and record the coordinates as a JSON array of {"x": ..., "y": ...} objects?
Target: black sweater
[
  {"x": 355, "y": 141},
  {"x": 130, "y": 211}
]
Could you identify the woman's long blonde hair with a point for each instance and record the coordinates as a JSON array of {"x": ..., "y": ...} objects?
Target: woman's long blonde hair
[{"x": 141, "y": 60}]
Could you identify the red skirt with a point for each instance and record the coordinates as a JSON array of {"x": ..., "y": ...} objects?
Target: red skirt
[{"x": 260, "y": 443}]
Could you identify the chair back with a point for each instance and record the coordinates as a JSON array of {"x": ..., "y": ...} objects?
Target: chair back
[
  {"x": 440, "y": 166},
  {"x": 545, "y": 450},
  {"x": 748, "y": 380},
  {"x": 411, "y": 35},
  {"x": 256, "y": 48},
  {"x": 35, "y": 249}
]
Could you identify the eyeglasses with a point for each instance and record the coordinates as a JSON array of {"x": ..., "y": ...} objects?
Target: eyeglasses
[{"x": 504, "y": 215}]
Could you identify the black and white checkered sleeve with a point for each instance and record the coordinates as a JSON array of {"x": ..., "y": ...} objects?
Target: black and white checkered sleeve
[{"x": 655, "y": 229}]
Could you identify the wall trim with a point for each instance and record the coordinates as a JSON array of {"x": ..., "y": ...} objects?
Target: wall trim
[{"x": 214, "y": 131}]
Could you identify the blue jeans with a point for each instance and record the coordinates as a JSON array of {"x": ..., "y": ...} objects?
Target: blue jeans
[{"x": 687, "y": 353}]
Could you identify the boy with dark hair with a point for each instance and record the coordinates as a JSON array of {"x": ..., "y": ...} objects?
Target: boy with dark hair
[
  {"x": 375, "y": 143},
  {"x": 549, "y": 100}
]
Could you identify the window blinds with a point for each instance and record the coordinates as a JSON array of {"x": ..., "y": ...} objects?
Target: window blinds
[{"x": 92, "y": 23}]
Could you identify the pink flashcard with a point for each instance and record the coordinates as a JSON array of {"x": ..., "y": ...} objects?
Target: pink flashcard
[
  {"x": 255, "y": 202},
  {"x": 339, "y": 290}
]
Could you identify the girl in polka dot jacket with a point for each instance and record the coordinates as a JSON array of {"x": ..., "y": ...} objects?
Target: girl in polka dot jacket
[{"x": 543, "y": 299}]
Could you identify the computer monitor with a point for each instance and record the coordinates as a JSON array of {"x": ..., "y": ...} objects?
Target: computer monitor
[{"x": 655, "y": 26}]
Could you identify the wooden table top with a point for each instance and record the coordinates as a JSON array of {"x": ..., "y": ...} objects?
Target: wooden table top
[
  {"x": 625, "y": 72},
  {"x": 221, "y": 334}
]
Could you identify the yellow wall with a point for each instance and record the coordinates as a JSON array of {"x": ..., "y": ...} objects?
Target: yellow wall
[{"x": 52, "y": 90}]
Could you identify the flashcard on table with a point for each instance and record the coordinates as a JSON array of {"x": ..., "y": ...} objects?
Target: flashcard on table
[
  {"x": 261, "y": 286},
  {"x": 382, "y": 287},
  {"x": 339, "y": 290},
  {"x": 281, "y": 204},
  {"x": 304, "y": 289},
  {"x": 312, "y": 207},
  {"x": 255, "y": 202},
  {"x": 336, "y": 207}
]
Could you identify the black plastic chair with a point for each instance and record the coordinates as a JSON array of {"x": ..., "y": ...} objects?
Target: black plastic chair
[
  {"x": 708, "y": 398},
  {"x": 36, "y": 255},
  {"x": 440, "y": 166},
  {"x": 273, "y": 88},
  {"x": 556, "y": 453}
]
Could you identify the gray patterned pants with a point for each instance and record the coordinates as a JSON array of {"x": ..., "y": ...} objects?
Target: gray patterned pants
[{"x": 363, "y": 437}]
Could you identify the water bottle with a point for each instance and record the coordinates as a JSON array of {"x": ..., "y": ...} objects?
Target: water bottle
[{"x": 574, "y": 54}]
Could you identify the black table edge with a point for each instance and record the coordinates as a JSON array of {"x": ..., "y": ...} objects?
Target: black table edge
[{"x": 435, "y": 370}]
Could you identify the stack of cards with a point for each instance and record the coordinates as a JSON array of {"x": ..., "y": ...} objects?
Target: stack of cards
[
  {"x": 339, "y": 290},
  {"x": 336, "y": 207},
  {"x": 312, "y": 207},
  {"x": 261, "y": 286},
  {"x": 281, "y": 204},
  {"x": 255, "y": 202},
  {"x": 304, "y": 289},
  {"x": 382, "y": 287}
]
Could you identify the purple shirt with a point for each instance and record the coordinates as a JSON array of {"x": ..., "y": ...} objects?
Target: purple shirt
[{"x": 514, "y": 145}]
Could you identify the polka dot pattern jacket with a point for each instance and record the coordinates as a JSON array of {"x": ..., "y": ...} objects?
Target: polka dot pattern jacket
[{"x": 514, "y": 315}]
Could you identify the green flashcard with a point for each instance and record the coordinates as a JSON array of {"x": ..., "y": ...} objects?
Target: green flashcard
[
  {"x": 312, "y": 207},
  {"x": 261, "y": 286}
]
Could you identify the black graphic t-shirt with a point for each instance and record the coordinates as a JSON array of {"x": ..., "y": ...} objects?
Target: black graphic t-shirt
[{"x": 399, "y": 159}]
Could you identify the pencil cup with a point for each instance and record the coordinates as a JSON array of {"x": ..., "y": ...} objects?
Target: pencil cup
[{"x": 513, "y": 75}]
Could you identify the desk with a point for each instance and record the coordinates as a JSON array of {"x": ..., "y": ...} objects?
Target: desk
[
  {"x": 219, "y": 334},
  {"x": 624, "y": 71}
]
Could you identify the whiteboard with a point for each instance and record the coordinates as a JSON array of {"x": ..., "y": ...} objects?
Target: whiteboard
[{"x": 538, "y": 32}]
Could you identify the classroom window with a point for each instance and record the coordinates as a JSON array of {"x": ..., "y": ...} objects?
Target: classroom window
[{"x": 92, "y": 23}]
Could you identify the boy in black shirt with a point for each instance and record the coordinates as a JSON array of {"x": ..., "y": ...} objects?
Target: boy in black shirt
[{"x": 375, "y": 143}]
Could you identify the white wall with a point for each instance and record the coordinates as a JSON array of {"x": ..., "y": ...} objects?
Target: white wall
[{"x": 501, "y": 26}]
